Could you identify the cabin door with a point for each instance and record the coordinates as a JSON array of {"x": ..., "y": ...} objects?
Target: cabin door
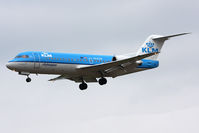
[{"x": 36, "y": 60}]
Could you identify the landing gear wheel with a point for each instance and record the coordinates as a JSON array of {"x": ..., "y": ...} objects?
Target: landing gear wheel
[
  {"x": 28, "y": 79},
  {"x": 83, "y": 86},
  {"x": 102, "y": 81}
]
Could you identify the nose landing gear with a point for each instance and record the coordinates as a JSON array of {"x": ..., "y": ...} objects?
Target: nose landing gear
[{"x": 28, "y": 79}]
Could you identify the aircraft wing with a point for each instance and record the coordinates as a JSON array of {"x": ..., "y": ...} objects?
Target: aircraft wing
[
  {"x": 74, "y": 78},
  {"x": 106, "y": 66},
  {"x": 90, "y": 73},
  {"x": 57, "y": 78}
]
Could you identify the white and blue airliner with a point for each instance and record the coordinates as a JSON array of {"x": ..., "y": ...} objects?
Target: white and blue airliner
[{"x": 85, "y": 68}]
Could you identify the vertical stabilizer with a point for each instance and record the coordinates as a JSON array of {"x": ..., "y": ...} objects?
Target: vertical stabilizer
[{"x": 154, "y": 43}]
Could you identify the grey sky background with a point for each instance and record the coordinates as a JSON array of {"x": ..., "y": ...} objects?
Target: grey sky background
[{"x": 163, "y": 100}]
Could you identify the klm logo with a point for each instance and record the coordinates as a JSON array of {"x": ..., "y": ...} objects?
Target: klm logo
[
  {"x": 46, "y": 54},
  {"x": 150, "y": 48}
]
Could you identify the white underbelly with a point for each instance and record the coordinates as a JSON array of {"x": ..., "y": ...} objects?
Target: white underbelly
[
  {"x": 55, "y": 68},
  {"x": 45, "y": 68}
]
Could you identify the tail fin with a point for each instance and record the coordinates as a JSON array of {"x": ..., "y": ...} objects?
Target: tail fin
[{"x": 154, "y": 43}]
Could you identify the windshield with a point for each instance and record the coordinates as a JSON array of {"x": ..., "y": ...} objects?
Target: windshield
[{"x": 22, "y": 56}]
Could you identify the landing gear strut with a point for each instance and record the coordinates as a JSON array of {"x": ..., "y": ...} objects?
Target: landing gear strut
[
  {"x": 28, "y": 79},
  {"x": 83, "y": 86},
  {"x": 102, "y": 81}
]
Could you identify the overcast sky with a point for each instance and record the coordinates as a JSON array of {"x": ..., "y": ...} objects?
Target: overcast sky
[{"x": 162, "y": 100}]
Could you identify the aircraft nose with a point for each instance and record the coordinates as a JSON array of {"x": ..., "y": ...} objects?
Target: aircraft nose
[{"x": 10, "y": 65}]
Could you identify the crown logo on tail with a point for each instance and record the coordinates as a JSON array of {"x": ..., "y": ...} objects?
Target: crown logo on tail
[{"x": 150, "y": 44}]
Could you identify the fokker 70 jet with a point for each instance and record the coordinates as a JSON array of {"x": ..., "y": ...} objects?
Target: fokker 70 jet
[{"x": 85, "y": 68}]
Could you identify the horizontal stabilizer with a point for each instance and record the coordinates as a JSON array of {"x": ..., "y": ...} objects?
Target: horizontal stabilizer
[{"x": 167, "y": 37}]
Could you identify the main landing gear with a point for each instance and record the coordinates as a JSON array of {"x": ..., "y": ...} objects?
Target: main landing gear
[
  {"x": 28, "y": 79},
  {"x": 84, "y": 86},
  {"x": 102, "y": 81}
]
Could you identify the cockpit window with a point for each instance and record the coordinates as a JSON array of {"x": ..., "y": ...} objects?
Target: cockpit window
[{"x": 22, "y": 56}]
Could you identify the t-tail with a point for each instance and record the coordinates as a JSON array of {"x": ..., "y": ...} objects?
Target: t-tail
[{"x": 154, "y": 43}]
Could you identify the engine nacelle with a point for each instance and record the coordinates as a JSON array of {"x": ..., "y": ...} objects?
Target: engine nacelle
[
  {"x": 148, "y": 63},
  {"x": 144, "y": 63}
]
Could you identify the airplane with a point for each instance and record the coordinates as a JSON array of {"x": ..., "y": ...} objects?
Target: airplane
[{"x": 85, "y": 68}]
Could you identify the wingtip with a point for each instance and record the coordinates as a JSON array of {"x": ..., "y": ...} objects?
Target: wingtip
[{"x": 185, "y": 33}]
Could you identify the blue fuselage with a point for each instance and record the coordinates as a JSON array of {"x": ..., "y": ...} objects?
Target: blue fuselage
[
  {"x": 58, "y": 63},
  {"x": 64, "y": 58}
]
